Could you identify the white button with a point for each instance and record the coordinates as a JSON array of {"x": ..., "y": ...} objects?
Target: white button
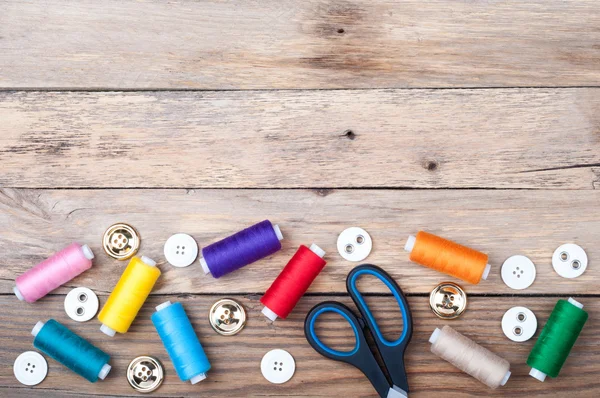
[
  {"x": 181, "y": 250},
  {"x": 278, "y": 366},
  {"x": 81, "y": 304},
  {"x": 354, "y": 244},
  {"x": 30, "y": 368},
  {"x": 569, "y": 260},
  {"x": 519, "y": 324},
  {"x": 518, "y": 272}
]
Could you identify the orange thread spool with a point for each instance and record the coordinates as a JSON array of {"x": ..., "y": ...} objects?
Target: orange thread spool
[{"x": 448, "y": 257}]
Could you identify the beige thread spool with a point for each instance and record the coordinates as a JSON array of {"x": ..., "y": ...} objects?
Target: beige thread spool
[{"x": 470, "y": 357}]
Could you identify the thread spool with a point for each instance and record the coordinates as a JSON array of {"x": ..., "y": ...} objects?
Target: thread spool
[
  {"x": 53, "y": 272},
  {"x": 74, "y": 352},
  {"x": 240, "y": 249},
  {"x": 470, "y": 357},
  {"x": 180, "y": 341},
  {"x": 448, "y": 257},
  {"x": 557, "y": 339},
  {"x": 128, "y": 296},
  {"x": 293, "y": 281}
]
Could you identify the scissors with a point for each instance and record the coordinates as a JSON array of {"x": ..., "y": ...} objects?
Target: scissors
[{"x": 361, "y": 356}]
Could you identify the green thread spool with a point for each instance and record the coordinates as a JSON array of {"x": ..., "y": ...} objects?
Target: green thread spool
[{"x": 556, "y": 340}]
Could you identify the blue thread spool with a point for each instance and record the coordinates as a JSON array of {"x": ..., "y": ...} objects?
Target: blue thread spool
[
  {"x": 180, "y": 341},
  {"x": 240, "y": 249},
  {"x": 67, "y": 348}
]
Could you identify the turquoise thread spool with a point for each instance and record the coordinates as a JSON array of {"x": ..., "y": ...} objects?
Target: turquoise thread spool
[
  {"x": 74, "y": 352},
  {"x": 180, "y": 341}
]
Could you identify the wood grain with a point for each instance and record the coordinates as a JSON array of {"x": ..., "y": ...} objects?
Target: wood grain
[
  {"x": 236, "y": 360},
  {"x": 544, "y": 138},
  {"x": 500, "y": 223},
  {"x": 290, "y": 44}
]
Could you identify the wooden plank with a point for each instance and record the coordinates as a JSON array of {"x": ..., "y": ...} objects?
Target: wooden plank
[
  {"x": 236, "y": 360},
  {"x": 522, "y": 138},
  {"x": 501, "y": 223},
  {"x": 290, "y": 44}
]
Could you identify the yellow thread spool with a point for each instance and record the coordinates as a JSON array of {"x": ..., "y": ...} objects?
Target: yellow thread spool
[{"x": 128, "y": 296}]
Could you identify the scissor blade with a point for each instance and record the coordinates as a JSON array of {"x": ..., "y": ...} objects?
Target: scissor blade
[{"x": 397, "y": 392}]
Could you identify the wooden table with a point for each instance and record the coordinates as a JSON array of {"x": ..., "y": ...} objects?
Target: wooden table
[{"x": 475, "y": 120}]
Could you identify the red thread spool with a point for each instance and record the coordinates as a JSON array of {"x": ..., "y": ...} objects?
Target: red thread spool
[{"x": 293, "y": 281}]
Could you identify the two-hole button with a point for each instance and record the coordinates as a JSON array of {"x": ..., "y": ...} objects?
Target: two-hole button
[
  {"x": 81, "y": 304},
  {"x": 519, "y": 324}
]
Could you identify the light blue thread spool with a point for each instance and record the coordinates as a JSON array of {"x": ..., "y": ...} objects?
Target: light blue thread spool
[
  {"x": 180, "y": 340},
  {"x": 76, "y": 353}
]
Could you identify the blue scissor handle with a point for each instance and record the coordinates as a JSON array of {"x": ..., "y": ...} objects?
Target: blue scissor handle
[
  {"x": 360, "y": 356},
  {"x": 392, "y": 352}
]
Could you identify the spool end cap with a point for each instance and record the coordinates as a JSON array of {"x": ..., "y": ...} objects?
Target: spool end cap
[
  {"x": 36, "y": 329},
  {"x": 87, "y": 252},
  {"x": 486, "y": 272},
  {"x": 536, "y": 374},
  {"x": 163, "y": 305},
  {"x": 435, "y": 335},
  {"x": 204, "y": 266},
  {"x": 269, "y": 314},
  {"x": 410, "y": 243},
  {"x": 317, "y": 250},
  {"x": 506, "y": 377},
  {"x": 149, "y": 261},
  {"x": 107, "y": 331},
  {"x": 18, "y": 293},
  {"x": 198, "y": 378},
  {"x": 104, "y": 371},
  {"x": 278, "y": 232},
  {"x": 575, "y": 303}
]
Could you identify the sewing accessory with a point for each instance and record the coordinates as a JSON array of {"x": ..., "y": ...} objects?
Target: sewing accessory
[
  {"x": 145, "y": 374},
  {"x": 227, "y": 317},
  {"x": 361, "y": 356},
  {"x": 518, "y": 272},
  {"x": 277, "y": 366},
  {"x": 293, "y": 281},
  {"x": 448, "y": 300},
  {"x": 74, "y": 352},
  {"x": 81, "y": 304},
  {"x": 354, "y": 244},
  {"x": 240, "y": 249},
  {"x": 558, "y": 337},
  {"x": 128, "y": 296},
  {"x": 569, "y": 260},
  {"x": 181, "y": 250},
  {"x": 121, "y": 241},
  {"x": 30, "y": 368},
  {"x": 180, "y": 341},
  {"x": 470, "y": 357},
  {"x": 519, "y": 324},
  {"x": 448, "y": 257},
  {"x": 53, "y": 272}
]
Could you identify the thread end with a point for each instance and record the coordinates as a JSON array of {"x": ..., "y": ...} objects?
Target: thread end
[
  {"x": 278, "y": 232},
  {"x": 104, "y": 371},
  {"x": 204, "y": 266},
  {"x": 486, "y": 272},
  {"x": 198, "y": 378},
  {"x": 148, "y": 261},
  {"x": 410, "y": 243},
  {"x": 435, "y": 336},
  {"x": 18, "y": 293},
  {"x": 107, "y": 331},
  {"x": 36, "y": 329},
  {"x": 163, "y": 306},
  {"x": 575, "y": 302},
  {"x": 536, "y": 374},
  {"x": 506, "y": 377},
  {"x": 317, "y": 250},
  {"x": 87, "y": 252},
  {"x": 269, "y": 314}
]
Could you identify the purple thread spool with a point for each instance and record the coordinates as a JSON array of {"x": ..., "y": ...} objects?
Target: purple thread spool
[{"x": 240, "y": 249}]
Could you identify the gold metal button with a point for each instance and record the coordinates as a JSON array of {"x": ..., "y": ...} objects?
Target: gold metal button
[
  {"x": 121, "y": 241},
  {"x": 448, "y": 300},
  {"x": 145, "y": 374},
  {"x": 227, "y": 317}
]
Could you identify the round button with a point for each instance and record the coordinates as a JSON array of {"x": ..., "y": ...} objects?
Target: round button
[
  {"x": 518, "y": 272},
  {"x": 227, "y": 317},
  {"x": 448, "y": 300},
  {"x": 121, "y": 241},
  {"x": 181, "y": 250},
  {"x": 569, "y": 260},
  {"x": 354, "y": 244},
  {"x": 30, "y": 368},
  {"x": 278, "y": 366},
  {"x": 519, "y": 324},
  {"x": 81, "y": 304},
  {"x": 145, "y": 374}
]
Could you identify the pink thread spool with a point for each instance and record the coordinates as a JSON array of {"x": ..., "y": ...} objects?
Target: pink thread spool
[{"x": 53, "y": 272}]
